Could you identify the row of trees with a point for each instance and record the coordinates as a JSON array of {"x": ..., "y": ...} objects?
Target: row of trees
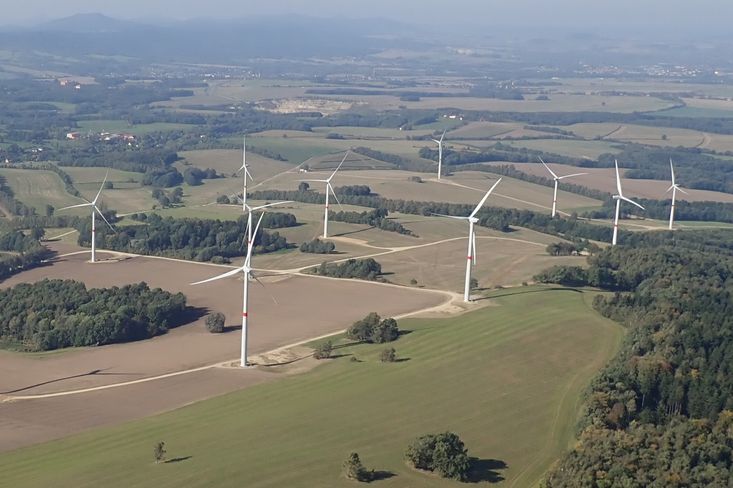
[
  {"x": 189, "y": 238},
  {"x": 493, "y": 217},
  {"x": 52, "y": 314},
  {"x": 374, "y": 330},
  {"x": 661, "y": 413}
]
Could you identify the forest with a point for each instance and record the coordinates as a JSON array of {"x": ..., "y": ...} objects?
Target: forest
[
  {"x": 189, "y": 238},
  {"x": 21, "y": 252},
  {"x": 661, "y": 413},
  {"x": 53, "y": 314}
]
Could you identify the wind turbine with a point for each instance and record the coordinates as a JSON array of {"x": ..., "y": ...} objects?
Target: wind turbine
[
  {"x": 674, "y": 189},
  {"x": 471, "y": 260},
  {"x": 557, "y": 181},
  {"x": 95, "y": 210},
  {"x": 245, "y": 173},
  {"x": 247, "y": 271},
  {"x": 439, "y": 142},
  {"x": 249, "y": 216},
  {"x": 620, "y": 196},
  {"x": 329, "y": 188}
]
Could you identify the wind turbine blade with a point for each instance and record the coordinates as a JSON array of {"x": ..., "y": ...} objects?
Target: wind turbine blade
[
  {"x": 339, "y": 166},
  {"x": 547, "y": 167},
  {"x": 671, "y": 168},
  {"x": 104, "y": 218},
  {"x": 220, "y": 277},
  {"x": 329, "y": 187},
  {"x": 669, "y": 189},
  {"x": 263, "y": 286},
  {"x": 681, "y": 190},
  {"x": 101, "y": 187},
  {"x": 316, "y": 181},
  {"x": 449, "y": 216},
  {"x": 631, "y": 201},
  {"x": 252, "y": 243},
  {"x": 441, "y": 137},
  {"x": 570, "y": 176},
  {"x": 88, "y": 204},
  {"x": 252, "y": 209},
  {"x": 435, "y": 141},
  {"x": 618, "y": 179},
  {"x": 481, "y": 203},
  {"x": 248, "y": 173}
]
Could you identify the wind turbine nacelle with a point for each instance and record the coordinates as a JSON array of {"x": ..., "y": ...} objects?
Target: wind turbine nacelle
[{"x": 473, "y": 220}]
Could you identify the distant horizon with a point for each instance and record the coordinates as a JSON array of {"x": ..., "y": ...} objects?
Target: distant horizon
[{"x": 652, "y": 18}]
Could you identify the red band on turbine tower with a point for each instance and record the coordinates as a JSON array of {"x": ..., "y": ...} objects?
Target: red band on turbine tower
[
  {"x": 244, "y": 314},
  {"x": 470, "y": 258}
]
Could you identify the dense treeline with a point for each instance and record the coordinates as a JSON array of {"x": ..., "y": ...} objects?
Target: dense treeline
[
  {"x": 512, "y": 172},
  {"x": 363, "y": 269},
  {"x": 189, "y": 238},
  {"x": 661, "y": 413},
  {"x": 497, "y": 152},
  {"x": 375, "y": 218},
  {"x": 493, "y": 217},
  {"x": 659, "y": 209},
  {"x": 53, "y": 314},
  {"x": 22, "y": 252}
]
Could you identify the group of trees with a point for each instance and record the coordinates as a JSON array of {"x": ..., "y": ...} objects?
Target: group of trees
[
  {"x": 375, "y": 218},
  {"x": 364, "y": 269},
  {"x": 22, "y": 251},
  {"x": 317, "y": 246},
  {"x": 189, "y": 238},
  {"x": 52, "y": 314},
  {"x": 373, "y": 329},
  {"x": 661, "y": 413}
]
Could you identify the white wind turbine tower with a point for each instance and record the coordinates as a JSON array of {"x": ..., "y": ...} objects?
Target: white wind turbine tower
[
  {"x": 329, "y": 188},
  {"x": 618, "y": 197},
  {"x": 247, "y": 272},
  {"x": 471, "y": 255},
  {"x": 95, "y": 210},
  {"x": 557, "y": 181},
  {"x": 674, "y": 189},
  {"x": 245, "y": 173},
  {"x": 439, "y": 142}
]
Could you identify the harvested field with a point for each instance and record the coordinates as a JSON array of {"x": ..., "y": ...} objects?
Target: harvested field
[
  {"x": 191, "y": 345},
  {"x": 604, "y": 179}
]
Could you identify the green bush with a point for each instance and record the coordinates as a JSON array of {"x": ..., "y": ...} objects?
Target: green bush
[
  {"x": 215, "y": 323},
  {"x": 442, "y": 453},
  {"x": 323, "y": 350}
]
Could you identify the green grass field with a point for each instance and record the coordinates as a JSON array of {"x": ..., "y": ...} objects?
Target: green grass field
[
  {"x": 507, "y": 378},
  {"x": 36, "y": 188}
]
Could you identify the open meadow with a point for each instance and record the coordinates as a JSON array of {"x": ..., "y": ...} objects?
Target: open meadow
[{"x": 518, "y": 368}]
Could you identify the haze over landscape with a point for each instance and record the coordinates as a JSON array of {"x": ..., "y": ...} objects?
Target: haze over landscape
[{"x": 328, "y": 243}]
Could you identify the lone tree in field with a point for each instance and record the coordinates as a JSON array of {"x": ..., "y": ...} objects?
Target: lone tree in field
[
  {"x": 443, "y": 453},
  {"x": 354, "y": 470},
  {"x": 323, "y": 350},
  {"x": 159, "y": 451},
  {"x": 215, "y": 323},
  {"x": 388, "y": 355}
]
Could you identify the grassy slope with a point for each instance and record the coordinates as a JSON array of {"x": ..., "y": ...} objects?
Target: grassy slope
[{"x": 508, "y": 379}]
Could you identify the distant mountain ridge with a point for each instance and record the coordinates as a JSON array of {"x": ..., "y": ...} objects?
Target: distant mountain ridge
[{"x": 88, "y": 23}]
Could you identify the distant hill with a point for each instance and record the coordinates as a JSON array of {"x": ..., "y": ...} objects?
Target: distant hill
[
  {"x": 88, "y": 23},
  {"x": 208, "y": 41}
]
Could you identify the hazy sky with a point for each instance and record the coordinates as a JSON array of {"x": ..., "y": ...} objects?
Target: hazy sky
[{"x": 699, "y": 15}]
